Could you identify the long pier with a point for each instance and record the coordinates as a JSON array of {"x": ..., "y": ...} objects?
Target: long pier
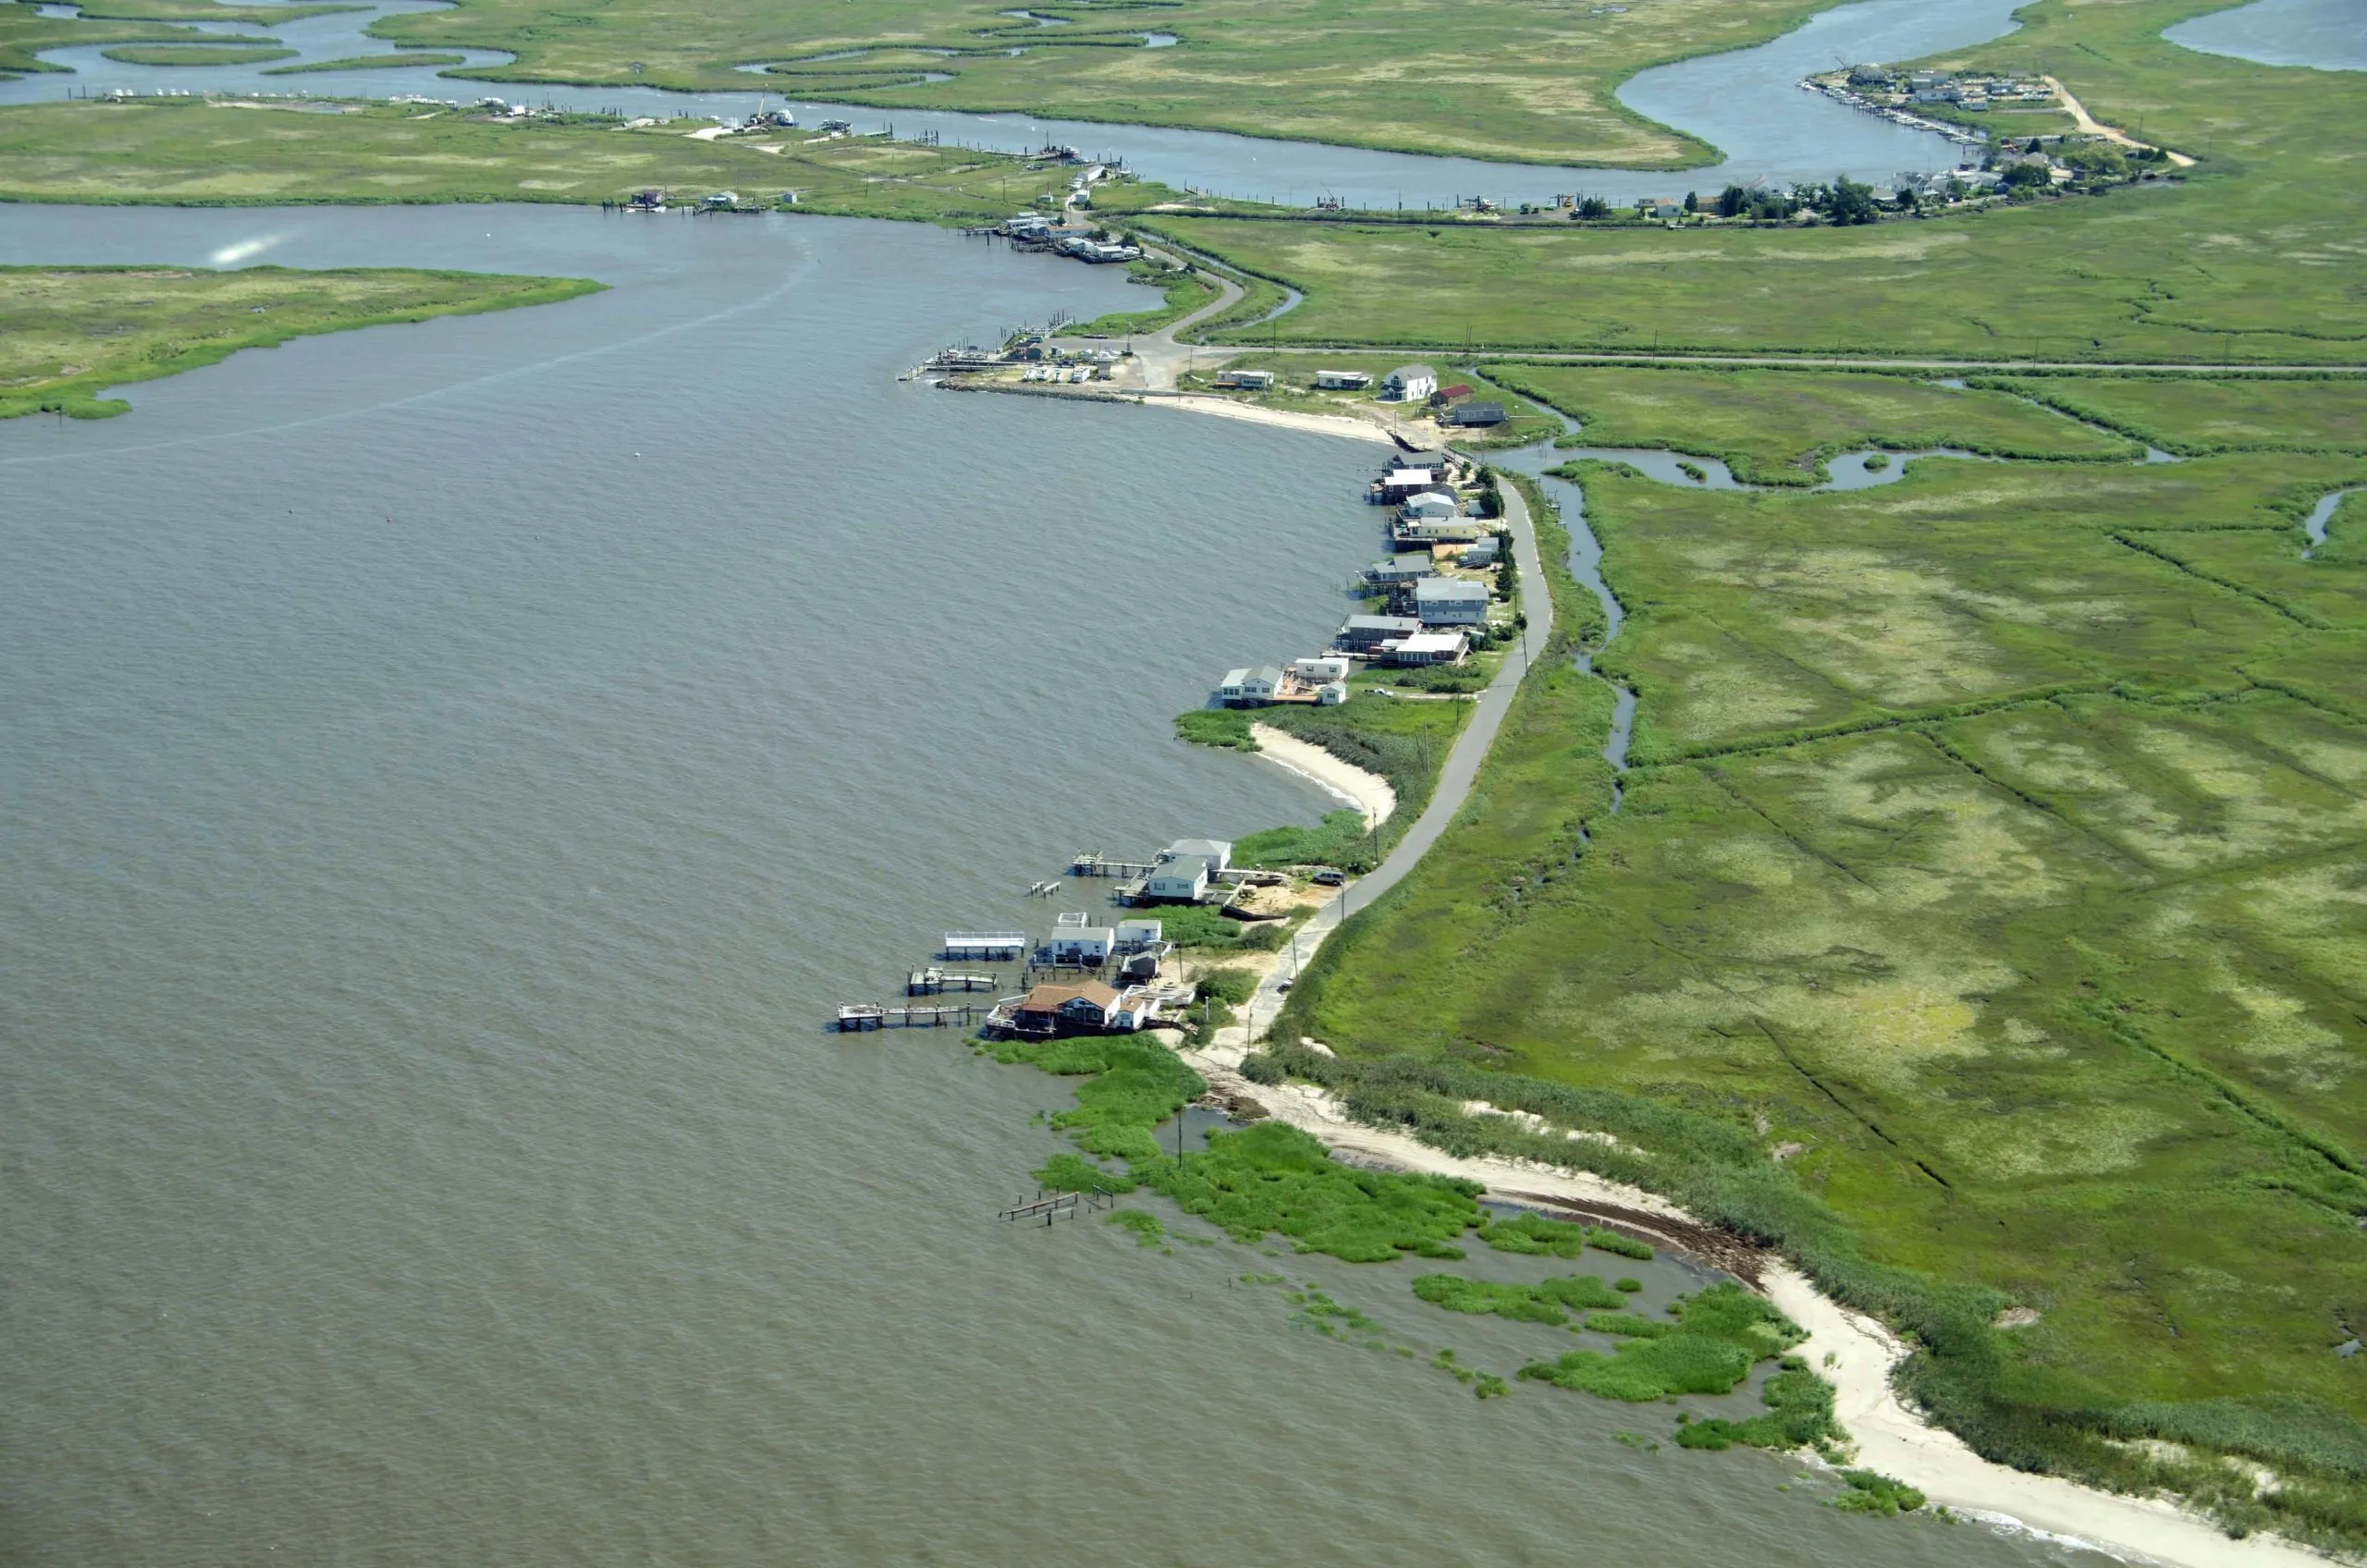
[
  {"x": 1092, "y": 863},
  {"x": 857, "y": 1018},
  {"x": 933, "y": 980},
  {"x": 983, "y": 945}
]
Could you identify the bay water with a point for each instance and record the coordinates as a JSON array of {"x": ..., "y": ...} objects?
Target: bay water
[{"x": 448, "y": 775}]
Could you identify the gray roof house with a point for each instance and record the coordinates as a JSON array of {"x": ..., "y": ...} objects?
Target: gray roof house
[{"x": 1450, "y": 601}]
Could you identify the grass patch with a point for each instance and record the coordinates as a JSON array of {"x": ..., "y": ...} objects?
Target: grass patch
[
  {"x": 1778, "y": 428},
  {"x": 1870, "y": 1493},
  {"x": 231, "y": 52},
  {"x": 1522, "y": 84},
  {"x": 199, "y": 151},
  {"x": 1227, "y": 728},
  {"x": 67, "y": 334},
  {"x": 370, "y": 63},
  {"x": 1799, "y": 1415},
  {"x": 1549, "y": 1300},
  {"x": 1535, "y": 1234},
  {"x": 1724, "y": 1330},
  {"x": 2197, "y": 417},
  {"x": 1274, "y": 1178},
  {"x": 1147, "y": 1229}
]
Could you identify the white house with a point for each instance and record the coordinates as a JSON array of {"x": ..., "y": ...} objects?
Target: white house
[
  {"x": 1089, "y": 945},
  {"x": 1341, "y": 380},
  {"x": 1484, "y": 552},
  {"x": 1135, "y": 1008},
  {"x": 1182, "y": 880},
  {"x": 1218, "y": 852},
  {"x": 1432, "y": 504},
  {"x": 1450, "y": 601},
  {"x": 1332, "y": 694},
  {"x": 1246, "y": 687},
  {"x": 1140, "y": 936},
  {"x": 1426, "y": 647},
  {"x": 1322, "y": 669},
  {"x": 1246, "y": 380},
  {"x": 1409, "y": 384}
]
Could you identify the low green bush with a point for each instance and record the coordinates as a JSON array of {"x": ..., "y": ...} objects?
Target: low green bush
[{"x": 1216, "y": 727}]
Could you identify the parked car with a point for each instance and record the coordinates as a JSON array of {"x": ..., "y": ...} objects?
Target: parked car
[{"x": 1329, "y": 878}]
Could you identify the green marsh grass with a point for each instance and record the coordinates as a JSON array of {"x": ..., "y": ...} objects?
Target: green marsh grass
[{"x": 67, "y": 334}]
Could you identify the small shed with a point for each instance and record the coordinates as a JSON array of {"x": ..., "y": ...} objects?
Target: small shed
[{"x": 1475, "y": 415}]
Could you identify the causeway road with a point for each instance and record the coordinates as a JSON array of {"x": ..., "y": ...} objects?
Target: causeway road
[{"x": 1453, "y": 788}]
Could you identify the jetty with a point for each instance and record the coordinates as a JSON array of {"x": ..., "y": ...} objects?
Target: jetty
[
  {"x": 856, "y": 1018},
  {"x": 983, "y": 947},
  {"x": 934, "y": 981}
]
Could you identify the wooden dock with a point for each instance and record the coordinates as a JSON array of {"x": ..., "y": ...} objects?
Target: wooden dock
[
  {"x": 1092, "y": 863},
  {"x": 1049, "y": 1206},
  {"x": 934, "y": 981},
  {"x": 857, "y": 1018},
  {"x": 975, "y": 947}
]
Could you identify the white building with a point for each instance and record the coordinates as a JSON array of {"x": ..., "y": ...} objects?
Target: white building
[
  {"x": 1089, "y": 945},
  {"x": 1432, "y": 504},
  {"x": 1140, "y": 936},
  {"x": 1450, "y": 601},
  {"x": 1409, "y": 384},
  {"x": 1341, "y": 380},
  {"x": 1218, "y": 852},
  {"x": 1246, "y": 380},
  {"x": 1181, "y": 880},
  {"x": 1249, "y": 687},
  {"x": 1321, "y": 669},
  {"x": 1426, "y": 647}
]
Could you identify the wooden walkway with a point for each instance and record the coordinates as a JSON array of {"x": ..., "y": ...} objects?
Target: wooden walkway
[{"x": 857, "y": 1018}]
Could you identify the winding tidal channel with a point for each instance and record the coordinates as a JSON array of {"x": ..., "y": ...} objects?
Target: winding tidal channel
[{"x": 452, "y": 769}]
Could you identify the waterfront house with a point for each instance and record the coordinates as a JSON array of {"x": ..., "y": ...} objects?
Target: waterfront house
[
  {"x": 1450, "y": 601},
  {"x": 1218, "y": 852},
  {"x": 1245, "y": 380},
  {"x": 1140, "y": 936},
  {"x": 1136, "y": 1007},
  {"x": 1363, "y": 636},
  {"x": 1182, "y": 880},
  {"x": 1321, "y": 669},
  {"x": 1401, "y": 482},
  {"x": 1409, "y": 384},
  {"x": 1428, "y": 505},
  {"x": 1475, "y": 415},
  {"x": 1366, "y": 633},
  {"x": 1249, "y": 687},
  {"x": 1399, "y": 570},
  {"x": 1422, "y": 532},
  {"x": 1064, "y": 1009},
  {"x": 1341, "y": 380},
  {"x": 1087, "y": 947},
  {"x": 1437, "y": 463},
  {"x": 1426, "y": 648}
]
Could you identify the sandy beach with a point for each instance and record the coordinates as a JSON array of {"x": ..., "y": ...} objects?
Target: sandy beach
[
  {"x": 1369, "y": 792},
  {"x": 1225, "y": 407},
  {"x": 1890, "y": 1437}
]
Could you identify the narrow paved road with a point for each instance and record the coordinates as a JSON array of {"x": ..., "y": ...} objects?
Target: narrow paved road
[
  {"x": 1453, "y": 786},
  {"x": 1159, "y": 357}
]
